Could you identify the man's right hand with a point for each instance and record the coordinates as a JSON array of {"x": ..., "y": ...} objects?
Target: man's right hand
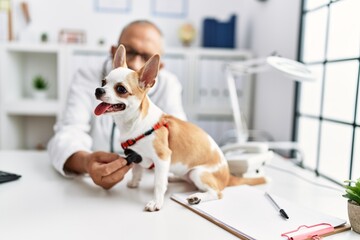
[{"x": 106, "y": 169}]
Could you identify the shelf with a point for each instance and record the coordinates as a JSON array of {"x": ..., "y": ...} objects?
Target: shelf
[
  {"x": 89, "y": 49},
  {"x": 216, "y": 111},
  {"x": 34, "y": 48},
  {"x": 27, "y": 131},
  {"x": 50, "y": 47},
  {"x": 54, "y": 48},
  {"x": 227, "y": 52},
  {"x": 32, "y": 107}
]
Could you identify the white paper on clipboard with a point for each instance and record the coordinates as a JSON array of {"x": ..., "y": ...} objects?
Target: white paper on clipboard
[{"x": 247, "y": 213}]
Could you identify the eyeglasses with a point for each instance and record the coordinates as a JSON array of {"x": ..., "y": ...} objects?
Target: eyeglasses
[{"x": 131, "y": 54}]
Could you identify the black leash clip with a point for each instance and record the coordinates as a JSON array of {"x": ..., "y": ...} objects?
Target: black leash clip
[{"x": 132, "y": 156}]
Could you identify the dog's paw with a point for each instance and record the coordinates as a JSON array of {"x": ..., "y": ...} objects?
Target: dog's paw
[
  {"x": 153, "y": 206},
  {"x": 193, "y": 199},
  {"x": 132, "y": 184}
]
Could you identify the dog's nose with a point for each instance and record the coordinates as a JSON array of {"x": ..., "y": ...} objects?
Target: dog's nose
[{"x": 99, "y": 92}]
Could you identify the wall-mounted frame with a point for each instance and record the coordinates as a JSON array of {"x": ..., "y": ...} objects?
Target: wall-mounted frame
[
  {"x": 72, "y": 36},
  {"x": 115, "y": 6},
  {"x": 172, "y": 9}
]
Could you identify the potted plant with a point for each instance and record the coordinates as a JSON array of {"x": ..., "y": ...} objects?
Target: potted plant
[
  {"x": 44, "y": 37},
  {"x": 40, "y": 86},
  {"x": 353, "y": 194}
]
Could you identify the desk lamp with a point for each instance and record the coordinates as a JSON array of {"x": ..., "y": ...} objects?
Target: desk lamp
[{"x": 246, "y": 157}]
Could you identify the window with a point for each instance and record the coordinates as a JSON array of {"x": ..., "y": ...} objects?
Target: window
[{"x": 327, "y": 115}]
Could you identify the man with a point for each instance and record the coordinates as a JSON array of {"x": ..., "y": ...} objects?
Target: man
[{"x": 81, "y": 139}]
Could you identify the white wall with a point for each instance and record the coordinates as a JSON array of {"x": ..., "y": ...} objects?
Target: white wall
[
  {"x": 51, "y": 16},
  {"x": 275, "y": 27},
  {"x": 262, "y": 27}
]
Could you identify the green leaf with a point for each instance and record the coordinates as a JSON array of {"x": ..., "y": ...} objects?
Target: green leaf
[
  {"x": 346, "y": 196},
  {"x": 354, "y": 189},
  {"x": 357, "y": 184},
  {"x": 352, "y": 195}
]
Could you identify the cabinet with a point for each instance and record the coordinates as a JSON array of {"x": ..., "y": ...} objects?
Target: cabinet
[
  {"x": 27, "y": 123},
  {"x": 205, "y": 91}
]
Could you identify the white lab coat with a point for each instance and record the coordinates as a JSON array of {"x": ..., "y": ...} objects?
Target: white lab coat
[{"x": 80, "y": 130}]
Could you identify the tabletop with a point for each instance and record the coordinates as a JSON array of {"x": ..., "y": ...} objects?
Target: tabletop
[{"x": 42, "y": 204}]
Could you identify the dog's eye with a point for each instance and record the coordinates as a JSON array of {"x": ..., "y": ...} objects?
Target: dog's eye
[
  {"x": 103, "y": 82},
  {"x": 121, "y": 89}
]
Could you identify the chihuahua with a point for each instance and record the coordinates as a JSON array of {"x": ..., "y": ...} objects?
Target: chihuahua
[{"x": 164, "y": 142}]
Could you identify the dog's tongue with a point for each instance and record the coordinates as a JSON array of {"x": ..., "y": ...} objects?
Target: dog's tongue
[{"x": 101, "y": 108}]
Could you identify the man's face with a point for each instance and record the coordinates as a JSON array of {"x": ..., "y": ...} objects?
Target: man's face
[{"x": 141, "y": 42}]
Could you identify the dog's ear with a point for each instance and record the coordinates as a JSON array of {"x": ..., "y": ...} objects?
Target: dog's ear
[
  {"x": 149, "y": 71},
  {"x": 120, "y": 57}
]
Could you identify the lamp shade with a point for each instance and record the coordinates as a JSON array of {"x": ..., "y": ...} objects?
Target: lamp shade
[{"x": 291, "y": 69}]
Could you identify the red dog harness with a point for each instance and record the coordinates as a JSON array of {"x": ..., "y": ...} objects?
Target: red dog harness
[{"x": 128, "y": 143}]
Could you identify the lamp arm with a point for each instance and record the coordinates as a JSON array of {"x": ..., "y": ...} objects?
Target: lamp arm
[
  {"x": 241, "y": 129},
  {"x": 250, "y": 66}
]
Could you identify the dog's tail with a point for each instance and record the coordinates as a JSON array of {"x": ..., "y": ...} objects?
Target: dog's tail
[{"x": 234, "y": 181}]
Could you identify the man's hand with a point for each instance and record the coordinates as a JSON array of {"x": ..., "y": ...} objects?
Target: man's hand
[{"x": 105, "y": 169}]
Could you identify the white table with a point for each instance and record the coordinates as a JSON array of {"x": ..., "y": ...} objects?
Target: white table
[{"x": 44, "y": 205}]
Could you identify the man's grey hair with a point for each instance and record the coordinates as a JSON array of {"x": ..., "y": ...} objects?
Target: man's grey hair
[{"x": 141, "y": 22}]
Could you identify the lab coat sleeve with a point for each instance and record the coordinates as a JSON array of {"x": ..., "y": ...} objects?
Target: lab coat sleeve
[
  {"x": 175, "y": 106},
  {"x": 168, "y": 95},
  {"x": 72, "y": 131}
]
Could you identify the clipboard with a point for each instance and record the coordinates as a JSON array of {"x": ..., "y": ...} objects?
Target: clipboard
[
  {"x": 245, "y": 212},
  {"x": 314, "y": 232}
]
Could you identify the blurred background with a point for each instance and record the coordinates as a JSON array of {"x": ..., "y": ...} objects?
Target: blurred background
[{"x": 51, "y": 39}]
